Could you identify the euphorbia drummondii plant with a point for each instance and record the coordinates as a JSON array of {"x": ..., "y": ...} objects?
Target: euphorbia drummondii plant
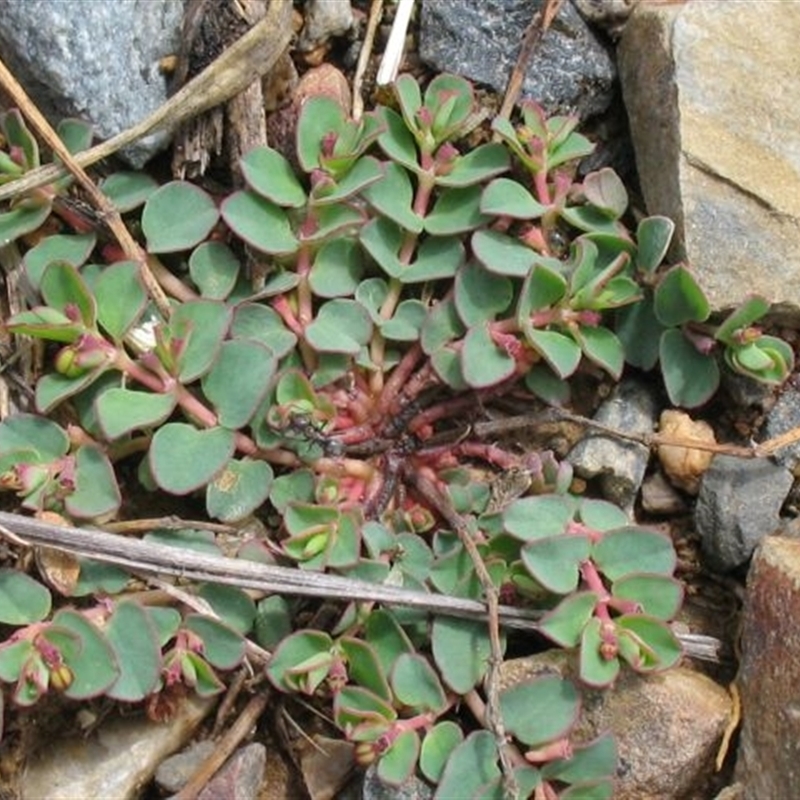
[{"x": 402, "y": 283}]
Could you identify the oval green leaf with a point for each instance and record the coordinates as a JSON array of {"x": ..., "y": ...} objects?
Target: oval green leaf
[{"x": 177, "y": 216}]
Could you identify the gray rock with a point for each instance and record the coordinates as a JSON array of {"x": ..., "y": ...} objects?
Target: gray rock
[
  {"x": 173, "y": 772},
  {"x": 621, "y": 465},
  {"x": 783, "y": 417},
  {"x": 738, "y": 505},
  {"x": 571, "y": 70},
  {"x": 412, "y": 789},
  {"x": 324, "y": 19},
  {"x": 118, "y": 758},
  {"x": 667, "y": 726},
  {"x": 240, "y": 778},
  {"x": 710, "y": 99},
  {"x": 769, "y": 673},
  {"x": 95, "y": 61}
]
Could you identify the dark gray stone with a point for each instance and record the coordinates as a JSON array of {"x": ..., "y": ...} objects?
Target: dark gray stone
[
  {"x": 174, "y": 772},
  {"x": 621, "y": 465},
  {"x": 412, "y": 789},
  {"x": 783, "y": 417},
  {"x": 571, "y": 69},
  {"x": 738, "y": 505},
  {"x": 323, "y": 20},
  {"x": 93, "y": 60},
  {"x": 241, "y": 777}
]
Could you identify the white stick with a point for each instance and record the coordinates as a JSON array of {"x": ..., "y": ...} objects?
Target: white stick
[{"x": 393, "y": 55}]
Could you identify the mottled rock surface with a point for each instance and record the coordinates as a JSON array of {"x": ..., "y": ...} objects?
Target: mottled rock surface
[
  {"x": 95, "y": 61},
  {"x": 571, "y": 69},
  {"x": 769, "y": 747},
  {"x": 711, "y": 98}
]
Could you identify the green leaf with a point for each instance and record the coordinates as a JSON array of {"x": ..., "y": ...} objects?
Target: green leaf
[
  {"x": 531, "y": 518},
  {"x": 455, "y": 211},
  {"x": 237, "y": 491},
  {"x": 450, "y": 99},
  {"x": 751, "y": 309},
  {"x": 547, "y": 386},
  {"x": 61, "y": 247},
  {"x": 653, "y": 236},
  {"x": 397, "y": 764},
  {"x": 393, "y": 196},
  {"x": 416, "y": 685},
  {"x": 269, "y": 174},
  {"x": 659, "y": 648},
  {"x": 45, "y": 323},
  {"x": 658, "y": 595},
  {"x": 120, "y": 297},
  {"x": 590, "y": 762},
  {"x": 594, "y": 669},
  {"x": 639, "y": 331},
  {"x": 409, "y": 97},
  {"x": 633, "y": 550},
  {"x": 554, "y": 561},
  {"x": 601, "y": 515},
  {"x": 132, "y": 634},
  {"x": 363, "y": 713},
  {"x": 476, "y": 166},
  {"x": 341, "y": 326},
  {"x": 591, "y": 220},
  {"x": 17, "y": 135},
  {"x": 602, "y": 347},
  {"x": 22, "y": 599},
  {"x": 384, "y": 634},
  {"x": 98, "y": 578},
  {"x": 461, "y": 650},
  {"x": 13, "y": 657},
  {"x": 561, "y": 352},
  {"x": 605, "y": 190},
  {"x": 437, "y": 746},
  {"x": 183, "y": 459},
  {"x": 397, "y": 141},
  {"x": 363, "y": 173},
  {"x": 338, "y": 219},
  {"x": 320, "y": 117},
  {"x": 54, "y": 388},
  {"x": 504, "y": 197},
  {"x": 259, "y": 222},
  {"x": 94, "y": 665},
  {"x": 76, "y": 134},
  {"x": 120, "y": 411},
  {"x": 472, "y": 764},
  {"x": 442, "y": 325},
  {"x": 128, "y": 190},
  {"x": 262, "y": 324},
  {"x": 483, "y": 362},
  {"x": 502, "y": 254},
  {"x": 223, "y": 647},
  {"x": 556, "y": 702},
  {"x": 337, "y": 269},
  {"x": 214, "y": 269},
  {"x": 29, "y": 431},
  {"x": 479, "y": 295},
  {"x": 22, "y": 220},
  {"x": 438, "y": 257},
  {"x": 364, "y": 667},
  {"x": 233, "y": 606},
  {"x": 565, "y": 623},
  {"x": 273, "y": 621},
  {"x": 206, "y": 322},
  {"x": 177, "y": 216},
  {"x": 690, "y": 377},
  {"x": 679, "y": 298},
  {"x": 199, "y": 541},
  {"x": 96, "y": 492},
  {"x": 238, "y": 381},
  {"x": 294, "y": 487}
]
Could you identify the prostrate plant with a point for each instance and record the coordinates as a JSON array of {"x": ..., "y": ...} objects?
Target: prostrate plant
[{"x": 395, "y": 297}]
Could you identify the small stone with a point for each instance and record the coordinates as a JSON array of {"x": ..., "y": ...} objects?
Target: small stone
[
  {"x": 324, "y": 19},
  {"x": 173, "y": 772},
  {"x": 659, "y": 496},
  {"x": 571, "y": 69},
  {"x": 325, "y": 765},
  {"x": 412, "y": 789},
  {"x": 769, "y": 747},
  {"x": 241, "y": 776},
  {"x": 620, "y": 464},
  {"x": 684, "y": 466},
  {"x": 782, "y": 418},
  {"x": 738, "y": 505},
  {"x": 667, "y": 726},
  {"x": 116, "y": 760}
]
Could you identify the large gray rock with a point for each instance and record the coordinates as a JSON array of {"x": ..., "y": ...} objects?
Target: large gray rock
[
  {"x": 738, "y": 505},
  {"x": 98, "y": 61},
  {"x": 769, "y": 747},
  {"x": 570, "y": 69},
  {"x": 711, "y": 97}
]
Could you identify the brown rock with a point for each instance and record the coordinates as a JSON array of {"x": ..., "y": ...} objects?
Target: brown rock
[
  {"x": 769, "y": 747},
  {"x": 710, "y": 98},
  {"x": 667, "y": 726},
  {"x": 684, "y": 466}
]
